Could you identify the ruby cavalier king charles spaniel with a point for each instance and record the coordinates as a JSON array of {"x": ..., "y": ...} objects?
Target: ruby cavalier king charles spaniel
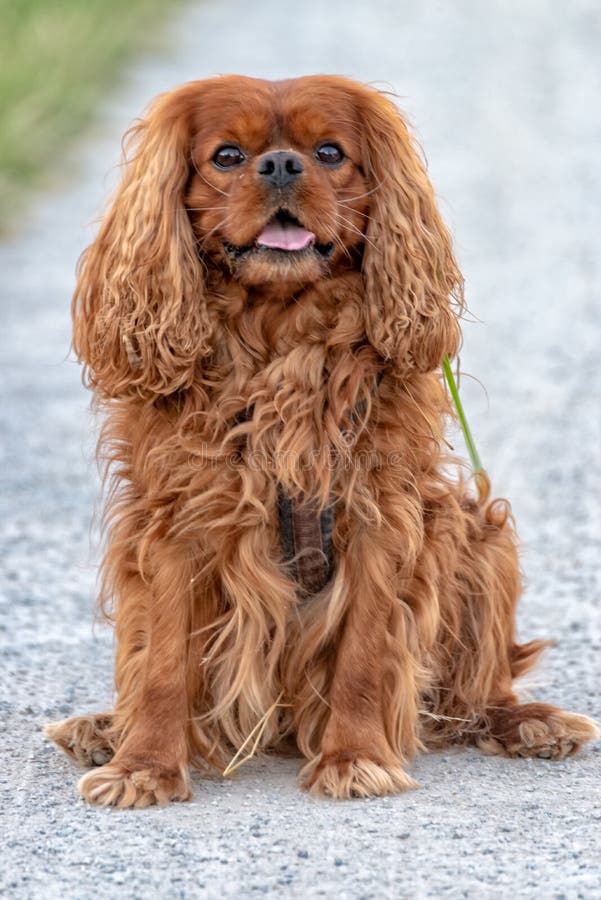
[{"x": 291, "y": 554}]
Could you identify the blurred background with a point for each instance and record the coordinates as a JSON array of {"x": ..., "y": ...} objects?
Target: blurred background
[{"x": 504, "y": 97}]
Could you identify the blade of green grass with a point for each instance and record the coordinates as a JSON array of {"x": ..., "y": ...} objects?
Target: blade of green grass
[{"x": 471, "y": 447}]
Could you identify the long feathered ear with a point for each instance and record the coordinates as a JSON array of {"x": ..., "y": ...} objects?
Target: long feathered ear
[
  {"x": 414, "y": 289},
  {"x": 139, "y": 313}
]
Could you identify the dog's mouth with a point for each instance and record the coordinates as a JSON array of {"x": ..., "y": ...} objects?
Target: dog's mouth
[{"x": 284, "y": 236}]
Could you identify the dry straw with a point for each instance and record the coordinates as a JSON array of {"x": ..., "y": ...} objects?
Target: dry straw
[{"x": 257, "y": 734}]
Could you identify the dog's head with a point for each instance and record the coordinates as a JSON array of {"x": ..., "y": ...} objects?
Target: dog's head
[
  {"x": 274, "y": 186},
  {"x": 278, "y": 192}
]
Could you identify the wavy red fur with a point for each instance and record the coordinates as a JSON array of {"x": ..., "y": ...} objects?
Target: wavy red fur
[{"x": 223, "y": 373}]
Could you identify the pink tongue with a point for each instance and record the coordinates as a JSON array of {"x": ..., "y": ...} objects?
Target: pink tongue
[{"x": 285, "y": 236}]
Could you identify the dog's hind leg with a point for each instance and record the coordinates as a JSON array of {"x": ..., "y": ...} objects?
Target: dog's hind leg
[
  {"x": 535, "y": 730},
  {"x": 89, "y": 740},
  {"x": 479, "y": 657}
]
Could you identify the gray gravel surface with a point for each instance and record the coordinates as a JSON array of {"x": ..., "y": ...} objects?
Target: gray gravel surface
[{"x": 505, "y": 97}]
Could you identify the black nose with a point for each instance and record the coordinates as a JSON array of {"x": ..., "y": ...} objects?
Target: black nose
[{"x": 280, "y": 168}]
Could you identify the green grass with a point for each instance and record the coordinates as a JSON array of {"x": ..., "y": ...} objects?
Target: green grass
[
  {"x": 467, "y": 434},
  {"x": 57, "y": 58}
]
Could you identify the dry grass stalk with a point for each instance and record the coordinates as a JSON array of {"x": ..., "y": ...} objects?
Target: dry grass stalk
[{"x": 257, "y": 734}]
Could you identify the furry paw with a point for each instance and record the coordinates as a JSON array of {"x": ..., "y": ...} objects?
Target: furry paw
[
  {"x": 343, "y": 776},
  {"x": 538, "y": 730},
  {"x": 121, "y": 786},
  {"x": 89, "y": 740}
]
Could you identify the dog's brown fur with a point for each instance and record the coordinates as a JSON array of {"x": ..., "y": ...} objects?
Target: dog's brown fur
[{"x": 222, "y": 379}]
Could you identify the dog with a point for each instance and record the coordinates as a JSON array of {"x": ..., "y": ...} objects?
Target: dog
[{"x": 292, "y": 551}]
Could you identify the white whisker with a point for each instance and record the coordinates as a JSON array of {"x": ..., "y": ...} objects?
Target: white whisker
[{"x": 366, "y": 194}]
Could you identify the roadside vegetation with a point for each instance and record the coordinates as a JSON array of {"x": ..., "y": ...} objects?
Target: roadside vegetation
[{"x": 57, "y": 58}]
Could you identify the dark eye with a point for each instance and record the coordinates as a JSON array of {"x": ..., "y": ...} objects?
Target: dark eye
[
  {"x": 228, "y": 156},
  {"x": 329, "y": 154}
]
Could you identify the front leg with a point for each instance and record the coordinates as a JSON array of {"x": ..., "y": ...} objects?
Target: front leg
[
  {"x": 371, "y": 730},
  {"x": 151, "y": 761}
]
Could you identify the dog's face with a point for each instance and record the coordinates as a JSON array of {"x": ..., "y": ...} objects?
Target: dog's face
[{"x": 278, "y": 192}]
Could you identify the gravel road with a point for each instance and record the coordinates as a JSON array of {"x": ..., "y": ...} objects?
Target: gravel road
[{"x": 505, "y": 98}]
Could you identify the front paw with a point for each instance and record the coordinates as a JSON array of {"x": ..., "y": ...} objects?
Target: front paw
[
  {"x": 123, "y": 786},
  {"x": 345, "y": 775}
]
